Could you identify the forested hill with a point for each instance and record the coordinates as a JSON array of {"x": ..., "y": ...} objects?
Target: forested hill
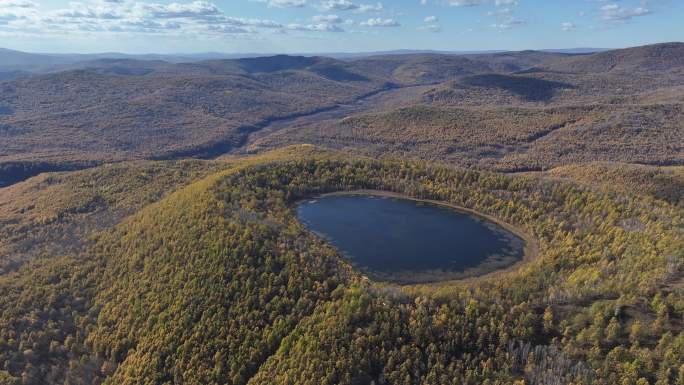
[
  {"x": 117, "y": 110},
  {"x": 509, "y": 111},
  {"x": 521, "y": 111},
  {"x": 122, "y": 109},
  {"x": 219, "y": 283}
]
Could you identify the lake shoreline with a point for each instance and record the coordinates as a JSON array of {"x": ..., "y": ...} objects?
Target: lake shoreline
[{"x": 530, "y": 250}]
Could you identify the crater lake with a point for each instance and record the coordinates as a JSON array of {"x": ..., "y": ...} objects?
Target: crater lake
[{"x": 409, "y": 241}]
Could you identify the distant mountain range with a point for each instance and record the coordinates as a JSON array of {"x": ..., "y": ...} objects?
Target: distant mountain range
[
  {"x": 17, "y": 63},
  {"x": 498, "y": 110}
]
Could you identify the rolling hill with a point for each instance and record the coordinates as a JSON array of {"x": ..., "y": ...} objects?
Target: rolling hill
[
  {"x": 504, "y": 139},
  {"x": 656, "y": 57},
  {"x": 615, "y": 105},
  {"x": 118, "y": 110},
  {"x": 121, "y": 109},
  {"x": 218, "y": 282},
  {"x": 562, "y": 110}
]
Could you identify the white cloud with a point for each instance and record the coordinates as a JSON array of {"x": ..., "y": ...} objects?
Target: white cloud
[
  {"x": 431, "y": 19},
  {"x": 178, "y": 10},
  {"x": 464, "y": 3},
  {"x": 196, "y": 18},
  {"x": 377, "y": 7},
  {"x": 380, "y": 22},
  {"x": 283, "y": 3},
  {"x": 17, "y": 4},
  {"x": 504, "y": 15},
  {"x": 508, "y": 23},
  {"x": 434, "y": 28},
  {"x": 228, "y": 29},
  {"x": 473, "y": 3},
  {"x": 615, "y": 12},
  {"x": 347, "y": 5},
  {"x": 14, "y": 12},
  {"x": 568, "y": 26},
  {"x": 319, "y": 27},
  {"x": 501, "y": 12},
  {"x": 337, "y": 5},
  {"x": 328, "y": 19},
  {"x": 258, "y": 23}
]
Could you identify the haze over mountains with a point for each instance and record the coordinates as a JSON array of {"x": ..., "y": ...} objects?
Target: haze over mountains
[{"x": 17, "y": 63}]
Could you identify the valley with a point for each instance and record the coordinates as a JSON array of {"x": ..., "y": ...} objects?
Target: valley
[
  {"x": 482, "y": 111},
  {"x": 395, "y": 96}
]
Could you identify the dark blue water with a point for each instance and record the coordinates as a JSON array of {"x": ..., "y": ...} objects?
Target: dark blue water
[{"x": 407, "y": 241}]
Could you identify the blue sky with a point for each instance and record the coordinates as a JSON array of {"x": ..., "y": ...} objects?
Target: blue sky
[{"x": 303, "y": 26}]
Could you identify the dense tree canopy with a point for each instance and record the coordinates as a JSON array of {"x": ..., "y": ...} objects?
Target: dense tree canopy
[{"x": 219, "y": 283}]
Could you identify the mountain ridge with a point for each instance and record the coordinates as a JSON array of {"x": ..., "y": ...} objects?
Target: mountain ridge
[{"x": 124, "y": 108}]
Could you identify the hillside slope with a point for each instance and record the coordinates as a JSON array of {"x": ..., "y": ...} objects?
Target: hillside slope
[
  {"x": 649, "y": 58},
  {"x": 96, "y": 115},
  {"x": 629, "y": 102},
  {"x": 219, "y": 283},
  {"x": 54, "y": 214},
  {"x": 666, "y": 183},
  {"x": 504, "y": 139},
  {"x": 113, "y": 110},
  {"x": 562, "y": 110}
]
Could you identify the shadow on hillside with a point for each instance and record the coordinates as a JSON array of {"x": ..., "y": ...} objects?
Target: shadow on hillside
[
  {"x": 10, "y": 75},
  {"x": 125, "y": 71},
  {"x": 530, "y": 89},
  {"x": 15, "y": 172},
  {"x": 338, "y": 74},
  {"x": 332, "y": 71},
  {"x": 276, "y": 63}
]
